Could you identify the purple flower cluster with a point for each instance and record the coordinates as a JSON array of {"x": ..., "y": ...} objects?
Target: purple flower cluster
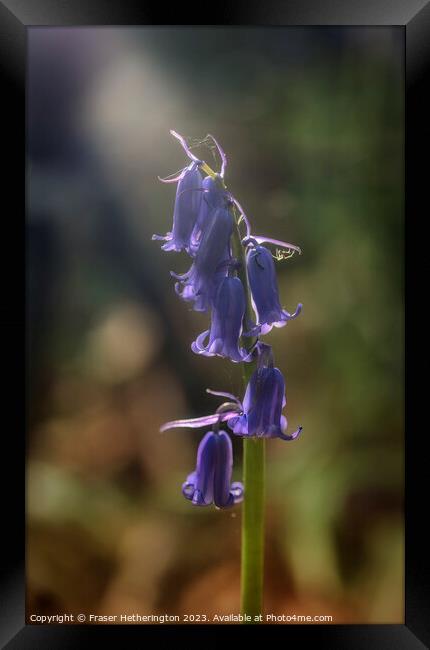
[{"x": 206, "y": 217}]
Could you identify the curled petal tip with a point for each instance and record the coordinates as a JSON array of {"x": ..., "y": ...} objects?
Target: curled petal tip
[
  {"x": 287, "y": 316},
  {"x": 292, "y": 436},
  {"x": 237, "y": 490},
  {"x": 168, "y": 180},
  {"x": 298, "y": 432}
]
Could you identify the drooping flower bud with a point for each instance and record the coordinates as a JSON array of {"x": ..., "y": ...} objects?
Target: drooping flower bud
[{"x": 211, "y": 480}]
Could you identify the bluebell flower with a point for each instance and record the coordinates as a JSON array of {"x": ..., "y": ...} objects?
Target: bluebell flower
[
  {"x": 213, "y": 196},
  {"x": 210, "y": 264},
  {"x": 260, "y": 413},
  {"x": 188, "y": 203},
  {"x": 264, "y": 289},
  {"x": 226, "y": 323},
  {"x": 263, "y": 402},
  {"x": 211, "y": 480},
  {"x": 204, "y": 217}
]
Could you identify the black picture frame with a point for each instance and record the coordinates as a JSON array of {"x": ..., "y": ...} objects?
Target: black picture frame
[{"x": 16, "y": 16}]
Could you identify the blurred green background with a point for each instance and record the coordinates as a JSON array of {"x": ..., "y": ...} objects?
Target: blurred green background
[{"x": 312, "y": 122}]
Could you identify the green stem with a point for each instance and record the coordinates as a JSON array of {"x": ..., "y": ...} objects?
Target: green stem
[{"x": 252, "y": 565}]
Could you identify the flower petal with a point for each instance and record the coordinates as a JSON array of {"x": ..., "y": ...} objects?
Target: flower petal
[
  {"x": 292, "y": 436},
  {"x": 198, "y": 346}
]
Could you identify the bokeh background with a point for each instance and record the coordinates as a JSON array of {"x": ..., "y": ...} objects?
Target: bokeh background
[{"x": 312, "y": 122}]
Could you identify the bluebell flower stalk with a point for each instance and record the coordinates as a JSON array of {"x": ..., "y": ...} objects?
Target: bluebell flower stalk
[{"x": 232, "y": 276}]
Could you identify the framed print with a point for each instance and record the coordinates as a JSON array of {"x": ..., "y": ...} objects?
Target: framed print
[{"x": 218, "y": 437}]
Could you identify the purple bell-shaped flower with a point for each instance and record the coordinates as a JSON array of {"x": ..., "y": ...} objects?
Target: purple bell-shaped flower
[
  {"x": 210, "y": 264},
  {"x": 188, "y": 204},
  {"x": 263, "y": 402},
  {"x": 211, "y": 480},
  {"x": 264, "y": 289},
  {"x": 226, "y": 323},
  {"x": 213, "y": 196}
]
